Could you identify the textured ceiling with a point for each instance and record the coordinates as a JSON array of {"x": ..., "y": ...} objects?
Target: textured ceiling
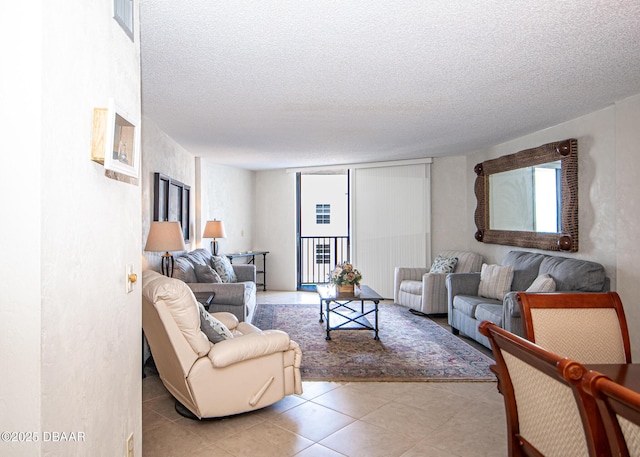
[{"x": 276, "y": 84}]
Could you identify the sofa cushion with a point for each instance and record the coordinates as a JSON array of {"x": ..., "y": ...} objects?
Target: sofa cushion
[
  {"x": 205, "y": 273},
  {"x": 444, "y": 264},
  {"x": 182, "y": 305},
  {"x": 526, "y": 266},
  {"x": 466, "y": 304},
  {"x": 185, "y": 263},
  {"x": 183, "y": 270},
  {"x": 411, "y": 287},
  {"x": 214, "y": 329},
  {"x": 543, "y": 283},
  {"x": 224, "y": 268},
  {"x": 574, "y": 274},
  {"x": 489, "y": 312},
  {"x": 198, "y": 256},
  {"x": 495, "y": 281}
]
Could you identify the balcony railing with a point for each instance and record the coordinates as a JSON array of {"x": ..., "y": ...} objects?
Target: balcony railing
[{"x": 319, "y": 255}]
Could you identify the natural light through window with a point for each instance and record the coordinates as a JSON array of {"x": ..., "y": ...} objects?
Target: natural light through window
[{"x": 546, "y": 200}]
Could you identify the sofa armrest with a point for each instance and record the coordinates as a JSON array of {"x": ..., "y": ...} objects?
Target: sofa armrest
[
  {"x": 461, "y": 284},
  {"x": 434, "y": 290},
  {"x": 245, "y": 272},
  {"x": 223, "y": 292},
  {"x": 408, "y": 273},
  {"x": 511, "y": 307},
  {"x": 511, "y": 319},
  {"x": 250, "y": 346}
]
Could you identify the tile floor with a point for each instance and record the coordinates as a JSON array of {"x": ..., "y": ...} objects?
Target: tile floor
[{"x": 368, "y": 419}]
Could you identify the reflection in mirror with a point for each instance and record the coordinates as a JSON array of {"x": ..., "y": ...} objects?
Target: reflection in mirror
[
  {"x": 530, "y": 198},
  {"x": 527, "y": 199}
]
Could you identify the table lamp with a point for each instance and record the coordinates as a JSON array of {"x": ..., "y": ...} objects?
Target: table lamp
[
  {"x": 214, "y": 229},
  {"x": 165, "y": 236}
]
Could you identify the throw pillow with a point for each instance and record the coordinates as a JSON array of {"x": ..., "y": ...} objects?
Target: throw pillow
[
  {"x": 222, "y": 265},
  {"x": 543, "y": 283},
  {"x": 444, "y": 265},
  {"x": 205, "y": 273},
  {"x": 215, "y": 330},
  {"x": 495, "y": 281}
]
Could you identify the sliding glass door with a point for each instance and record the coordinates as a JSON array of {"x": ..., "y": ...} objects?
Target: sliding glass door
[{"x": 323, "y": 225}]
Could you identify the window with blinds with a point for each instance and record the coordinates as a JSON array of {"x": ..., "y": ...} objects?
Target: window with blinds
[{"x": 391, "y": 222}]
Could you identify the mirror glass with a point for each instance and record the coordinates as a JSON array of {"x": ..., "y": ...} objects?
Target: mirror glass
[
  {"x": 527, "y": 199},
  {"x": 530, "y": 198}
]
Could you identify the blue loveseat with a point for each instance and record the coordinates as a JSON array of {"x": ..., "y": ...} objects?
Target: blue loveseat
[{"x": 467, "y": 308}]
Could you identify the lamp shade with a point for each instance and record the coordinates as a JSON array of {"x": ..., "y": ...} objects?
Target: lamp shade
[
  {"x": 214, "y": 229},
  {"x": 165, "y": 237}
]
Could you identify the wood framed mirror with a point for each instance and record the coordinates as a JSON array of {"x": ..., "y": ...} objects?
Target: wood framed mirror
[{"x": 513, "y": 210}]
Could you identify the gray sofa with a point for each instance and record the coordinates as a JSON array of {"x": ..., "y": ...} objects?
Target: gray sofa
[
  {"x": 467, "y": 309},
  {"x": 238, "y": 297}
]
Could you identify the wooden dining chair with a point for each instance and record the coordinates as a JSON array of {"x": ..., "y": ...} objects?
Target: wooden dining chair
[
  {"x": 587, "y": 327},
  {"x": 620, "y": 412},
  {"x": 548, "y": 413}
]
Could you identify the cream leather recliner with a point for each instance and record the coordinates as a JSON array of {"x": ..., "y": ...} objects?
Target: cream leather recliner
[{"x": 252, "y": 370}]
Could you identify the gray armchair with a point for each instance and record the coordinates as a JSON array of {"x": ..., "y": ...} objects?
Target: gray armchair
[{"x": 425, "y": 292}]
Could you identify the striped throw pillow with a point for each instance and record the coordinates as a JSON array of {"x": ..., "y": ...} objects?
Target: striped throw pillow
[{"x": 495, "y": 281}]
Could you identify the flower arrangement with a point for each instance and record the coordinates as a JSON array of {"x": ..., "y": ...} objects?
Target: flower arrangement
[{"x": 344, "y": 274}]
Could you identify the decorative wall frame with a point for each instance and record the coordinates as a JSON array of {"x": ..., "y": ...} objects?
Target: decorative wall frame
[
  {"x": 172, "y": 202},
  {"x": 567, "y": 240},
  {"x": 116, "y": 140}
]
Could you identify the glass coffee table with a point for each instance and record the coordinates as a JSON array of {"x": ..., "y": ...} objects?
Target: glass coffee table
[{"x": 343, "y": 313}]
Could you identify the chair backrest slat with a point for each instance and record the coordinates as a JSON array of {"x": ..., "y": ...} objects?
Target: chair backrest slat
[
  {"x": 548, "y": 413},
  {"x": 587, "y": 327},
  {"x": 620, "y": 411}
]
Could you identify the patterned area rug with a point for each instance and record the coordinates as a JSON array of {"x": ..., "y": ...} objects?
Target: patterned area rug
[{"x": 411, "y": 348}]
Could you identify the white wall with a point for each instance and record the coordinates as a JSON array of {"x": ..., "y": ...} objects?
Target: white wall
[
  {"x": 450, "y": 213},
  {"x": 276, "y": 226},
  {"x": 91, "y": 329},
  {"x": 227, "y": 194},
  {"x": 74, "y": 345},
  {"x": 20, "y": 188},
  {"x": 161, "y": 154},
  {"x": 627, "y": 213}
]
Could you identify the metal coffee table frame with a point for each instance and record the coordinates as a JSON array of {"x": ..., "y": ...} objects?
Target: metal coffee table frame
[{"x": 338, "y": 306}]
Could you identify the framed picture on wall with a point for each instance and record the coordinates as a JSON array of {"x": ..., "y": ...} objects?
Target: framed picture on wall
[
  {"x": 171, "y": 202},
  {"x": 115, "y": 140},
  {"x": 122, "y": 152}
]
